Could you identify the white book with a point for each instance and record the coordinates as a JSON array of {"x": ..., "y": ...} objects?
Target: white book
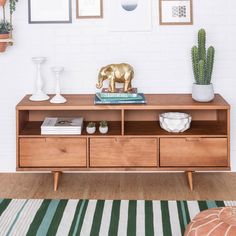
[
  {"x": 60, "y": 133},
  {"x": 62, "y": 129},
  {"x": 54, "y": 125}
]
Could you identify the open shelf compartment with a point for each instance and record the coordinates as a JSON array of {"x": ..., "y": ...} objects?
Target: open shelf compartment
[
  {"x": 30, "y": 121},
  {"x": 204, "y": 123}
]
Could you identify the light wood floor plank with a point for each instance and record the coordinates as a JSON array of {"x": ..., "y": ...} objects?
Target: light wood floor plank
[{"x": 166, "y": 186}]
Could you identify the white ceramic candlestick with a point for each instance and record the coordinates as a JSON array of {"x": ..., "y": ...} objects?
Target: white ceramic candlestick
[
  {"x": 39, "y": 95},
  {"x": 58, "y": 98}
]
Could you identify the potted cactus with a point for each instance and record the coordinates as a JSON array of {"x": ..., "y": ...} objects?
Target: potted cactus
[
  {"x": 91, "y": 128},
  {"x": 103, "y": 128},
  {"x": 203, "y": 62}
]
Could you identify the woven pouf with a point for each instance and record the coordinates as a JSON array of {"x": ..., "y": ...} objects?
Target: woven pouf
[{"x": 213, "y": 222}]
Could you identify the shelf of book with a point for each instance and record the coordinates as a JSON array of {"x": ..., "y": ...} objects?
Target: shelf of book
[
  {"x": 33, "y": 129},
  {"x": 137, "y": 128}
]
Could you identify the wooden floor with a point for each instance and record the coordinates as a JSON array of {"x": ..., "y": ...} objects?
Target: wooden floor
[{"x": 207, "y": 186}]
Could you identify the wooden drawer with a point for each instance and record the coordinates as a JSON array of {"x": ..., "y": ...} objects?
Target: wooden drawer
[
  {"x": 52, "y": 152},
  {"x": 193, "y": 152},
  {"x": 123, "y": 152}
]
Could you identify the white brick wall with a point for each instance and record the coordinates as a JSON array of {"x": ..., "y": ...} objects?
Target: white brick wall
[{"x": 161, "y": 59}]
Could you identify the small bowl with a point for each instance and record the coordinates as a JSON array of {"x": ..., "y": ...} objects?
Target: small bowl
[{"x": 175, "y": 122}]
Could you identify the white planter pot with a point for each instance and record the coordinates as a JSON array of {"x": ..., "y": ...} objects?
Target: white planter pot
[
  {"x": 91, "y": 130},
  {"x": 103, "y": 130},
  {"x": 203, "y": 93}
]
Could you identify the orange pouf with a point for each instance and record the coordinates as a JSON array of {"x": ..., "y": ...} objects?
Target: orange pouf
[{"x": 213, "y": 222}]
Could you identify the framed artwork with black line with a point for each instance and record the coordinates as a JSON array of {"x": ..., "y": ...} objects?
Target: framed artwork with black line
[{"x": 49, "y": 12}]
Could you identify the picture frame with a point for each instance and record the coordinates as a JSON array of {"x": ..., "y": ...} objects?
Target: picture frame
[
  {"x": 49, "y": 12},
  {"x": 176, "y": 12},
  {"x": 86, "y": 9},
  {"x": 130, "y": 15}
]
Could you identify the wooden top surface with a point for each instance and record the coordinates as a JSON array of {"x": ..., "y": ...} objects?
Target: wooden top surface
[{"x": 154, "y": 101}]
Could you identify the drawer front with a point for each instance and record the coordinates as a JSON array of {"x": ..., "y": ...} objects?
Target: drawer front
[
  {"x": 124, "y": 152},
  {"x": 193, "y": 152},
  {"x": 53, "y": 152}
]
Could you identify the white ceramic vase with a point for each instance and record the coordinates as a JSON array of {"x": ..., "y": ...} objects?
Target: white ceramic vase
[
  {"x": 39, "y": 95},
  {"x": 91, "y": 130},
  {"x": 103, "y": 130},
  {"x": 58, "y": 98},
  {"x": 203, "y": 93}
]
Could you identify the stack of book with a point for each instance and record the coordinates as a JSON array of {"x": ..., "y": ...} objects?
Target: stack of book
[
  {"x": 119, "y": 97},
  {"x": 60, "y": 126}
]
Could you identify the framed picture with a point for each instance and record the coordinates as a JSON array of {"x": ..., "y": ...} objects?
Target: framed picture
[
  {"x": 130, "y": 15},
  {"x": 89, "y": 8},
  {"x": 46, "y": 12},
  {"x": 176, "y": 12}
]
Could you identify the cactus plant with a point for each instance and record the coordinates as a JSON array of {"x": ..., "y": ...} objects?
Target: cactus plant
[
  {"x": 195, "y": 60},
  {"x": 202, "y": 44},
  {"x": 202, "y": 60},
  {"x": 210, "y": 62},
  {"x": 201, "y": 72},
  {"x": 91, "y": 124},
  {"x": 103, "y": 123}
]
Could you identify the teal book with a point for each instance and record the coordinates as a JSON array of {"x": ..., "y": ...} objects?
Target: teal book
[
  {"x": 119, "y": 93},
  {"x": 141, "y": 100},
  {"x": 137, "y": 98}
]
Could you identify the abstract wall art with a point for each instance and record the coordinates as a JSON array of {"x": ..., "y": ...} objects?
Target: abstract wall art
[
  {"x": 130, "y": 15},
  {"x": 129, "y": 5},
  {"x": 176, "y": 12},
  {"x": 89, "y": 8}
]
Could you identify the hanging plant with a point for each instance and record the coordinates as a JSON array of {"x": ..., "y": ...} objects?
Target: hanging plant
[
  {"x": 5, "y": 29},
  {"x": 6, "y": 26},
  {"x": 12, "y": 8}
]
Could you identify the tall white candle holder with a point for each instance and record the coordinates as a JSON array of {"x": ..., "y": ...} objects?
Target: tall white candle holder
[
  {"x": 58, "y": 98},
  {"x": 39, "y": 95}
]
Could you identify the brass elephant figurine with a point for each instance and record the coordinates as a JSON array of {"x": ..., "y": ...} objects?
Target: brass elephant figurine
[{"x": 116, "y": 73}]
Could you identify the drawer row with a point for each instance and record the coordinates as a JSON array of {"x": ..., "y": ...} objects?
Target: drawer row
[{"x": 122, "y": 152}]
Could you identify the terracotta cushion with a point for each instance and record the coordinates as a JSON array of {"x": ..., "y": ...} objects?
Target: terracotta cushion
[{"x": 213, "y": 222}]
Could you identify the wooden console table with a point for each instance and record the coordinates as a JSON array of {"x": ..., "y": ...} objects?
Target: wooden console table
[{"x": 135, "y": 142}]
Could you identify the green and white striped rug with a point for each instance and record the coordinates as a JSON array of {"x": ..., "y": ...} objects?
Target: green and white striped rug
[{"x": 99, "y": 217}]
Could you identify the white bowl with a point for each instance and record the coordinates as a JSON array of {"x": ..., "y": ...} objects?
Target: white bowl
[{"x": 175, "y": 122}]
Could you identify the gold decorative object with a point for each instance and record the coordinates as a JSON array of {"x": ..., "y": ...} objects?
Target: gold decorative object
[{"x": 116, "y": 73}]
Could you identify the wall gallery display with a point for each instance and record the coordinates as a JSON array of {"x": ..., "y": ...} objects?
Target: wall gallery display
[
  {"x": 130, "y": 15},
  {"x": 46, "y": 12},
  {"x": 89, "y": 8},
  {"x": 176, "y": 12}
]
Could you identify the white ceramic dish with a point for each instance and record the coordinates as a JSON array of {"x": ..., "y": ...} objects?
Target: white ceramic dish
[{"x": 175, "y": 122}]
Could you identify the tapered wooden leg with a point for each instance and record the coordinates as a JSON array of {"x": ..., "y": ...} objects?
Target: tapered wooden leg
[
  {"x": 56, "y": 176},
  {"x": 189, "y": 175}
]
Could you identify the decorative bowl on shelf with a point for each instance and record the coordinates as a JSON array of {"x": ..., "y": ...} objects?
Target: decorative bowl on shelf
[{"x": 175, "y": 122}]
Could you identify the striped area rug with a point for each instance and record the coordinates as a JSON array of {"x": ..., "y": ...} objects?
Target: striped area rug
[{"x": 99, "y": 217}]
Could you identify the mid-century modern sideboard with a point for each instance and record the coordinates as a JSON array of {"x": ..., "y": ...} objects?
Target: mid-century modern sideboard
[{"x": 135, "y": 142}]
